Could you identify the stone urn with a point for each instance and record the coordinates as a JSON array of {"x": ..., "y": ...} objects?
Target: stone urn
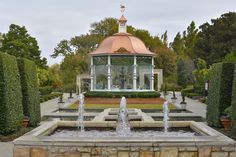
[{"x": 226, "y": 122}]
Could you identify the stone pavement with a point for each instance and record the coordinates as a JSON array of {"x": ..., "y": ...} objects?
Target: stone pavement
[
  {"x": 52, "y": 105},
  {"x": 6, "y": 148},
  {"x": 192, "y": 105}
]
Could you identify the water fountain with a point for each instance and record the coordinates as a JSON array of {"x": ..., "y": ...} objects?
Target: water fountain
[
  {"x": 123, "y": 138},
  {"x": 81, "y": 113},
  {"x": 123, "y": 127},
  {"x": 166, "y": 116}
]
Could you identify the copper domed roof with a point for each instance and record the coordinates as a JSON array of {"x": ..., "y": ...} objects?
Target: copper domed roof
[{"x": 122, "y": 43}]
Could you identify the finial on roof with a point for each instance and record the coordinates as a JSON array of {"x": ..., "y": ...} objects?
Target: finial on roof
[
  {"x": 122, "y": 20},
  {"x": 122, "y": 9}
]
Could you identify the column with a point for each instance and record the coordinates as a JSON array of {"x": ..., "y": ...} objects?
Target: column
[
  {"x": 135, "y": 74},
  {"x": 152, "y": 74},
  {"x": 109, "y": 73},
  {"x": 91, "y": 74}
]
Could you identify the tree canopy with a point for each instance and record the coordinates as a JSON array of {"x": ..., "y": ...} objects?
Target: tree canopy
[
  {"x": 217, "y": 39},
  {"x": 18, "y": 42}
]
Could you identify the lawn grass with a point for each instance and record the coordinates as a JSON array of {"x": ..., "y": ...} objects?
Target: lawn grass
[{"x": 138, "y": 106}]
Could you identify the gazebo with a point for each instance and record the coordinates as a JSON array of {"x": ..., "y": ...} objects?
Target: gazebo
[{"x": 122, "y": 63}]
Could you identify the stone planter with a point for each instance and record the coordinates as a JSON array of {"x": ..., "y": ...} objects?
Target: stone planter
[
  {"x": 227, "y": 123},
  {"x": 25, "y": 123}
]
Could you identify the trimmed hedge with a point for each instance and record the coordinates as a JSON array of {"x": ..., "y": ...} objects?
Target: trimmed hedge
[
  {"x": 170, "y": 87},
  {"x": 50, "y": 96},
  {"x": 30, "y": 90},
  {"x": 154, "y": 94},
  {"x": 233, "y": 102},
  {"x": 11, "y": 112},
  {"x": 45, "y": 90},
  {"x": 220, "y": 89}
]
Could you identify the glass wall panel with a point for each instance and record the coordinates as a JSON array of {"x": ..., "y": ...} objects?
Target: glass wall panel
[
  {"x": 122, "y": 72},
  {"x": 144, "y": 70},
  {"x": 100, "y": 72}
]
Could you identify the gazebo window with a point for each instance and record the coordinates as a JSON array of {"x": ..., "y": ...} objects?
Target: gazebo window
[
  {"x": 100, "y": 72},
  {"x": 144, "y": 72},
  {"x": 122, "y": 72}
]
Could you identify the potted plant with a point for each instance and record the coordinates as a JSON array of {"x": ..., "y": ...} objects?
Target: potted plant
[
  {"x": 25, "y": 122},
  {"x": 226, "y": 120}
]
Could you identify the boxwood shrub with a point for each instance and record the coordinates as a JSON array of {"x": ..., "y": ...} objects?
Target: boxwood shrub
[
  {"x": 153, "y": 94},
  {"x": 45, "y": 90},
  {"x": 220, "y": 89},
  {"x": 50, "y": 96},
  {"x": 11, "y": 112},
  {"x": 30, "y": 90},
  {"x": 233, "y": 102}
]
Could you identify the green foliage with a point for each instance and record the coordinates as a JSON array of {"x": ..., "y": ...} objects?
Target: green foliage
[
  {"x": 178, "y": 45},
  {"x": 73, "y": 65},
  {"x": 220, "y": 89},
  {"x": 18, "y": 42},
  {"x": 183, "y": 45},
  {"x": 166, "y": 60},
  {"x": 230, "y": 57},
  {"x": 217, "y": 39},
  {"x": 190, "y": 38},
  {"x": 54, "y": 73},
  {"x": 229, "y": 112},
  {"x": 185, "y": 68},
  {"x": 233, "y": 102},
  {"x": 188, "y": 89},
  {"x": 201, "y": 75},
  {"x": 49, "y": 96},
  {"x": 170, "y": 87},
  {"x": 164, "y": 38},
  {"x": 30, "y": 90},
  {"x": 45, "y": 90},
  {"x": 182, "y": 79},
  {"x": 125, "y": 94},
  {"x": 11, "y": 112}
]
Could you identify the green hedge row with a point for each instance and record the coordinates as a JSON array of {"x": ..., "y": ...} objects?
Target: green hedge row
[
  {"x": 220, "y": 89},
  {"x": 49, "y": 96},
  {"x": 45, "y": 90},
  {"x": 154, "y": 94},
  {"x": 233, "y": 102},
  {"x": 170, "y": 87},
  {"x": 11, "y": 112},
  {"x": 29, "y": 85}
]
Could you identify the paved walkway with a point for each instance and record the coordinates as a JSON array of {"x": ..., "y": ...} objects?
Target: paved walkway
[
  {"x": 192, "y": 105},
  {"x": 6, "y": 148},
  {"x": 52, "y": 105}
]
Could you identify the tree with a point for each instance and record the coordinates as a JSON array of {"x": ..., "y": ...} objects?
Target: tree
[
  {"x": 178, "y": 45},
  {"x": 164, "y": 38},
  {"x": 190, "y": 39},
  {"x": 54, "y": 74},
  {"x": 230, "y": 57},
  {"x": 201, "y": 75},
  {"x": 71, "y": 66},
  {"x": 166, "y": 60},
  {"x": 105, "y": 28},
  {"x": 1, "y": 38},
  {"x": 217, "y": 39},
  {"x": 182, "y": 79},
  {"x": 18, "y": 42},
  {"x": 151, "y": 42}
]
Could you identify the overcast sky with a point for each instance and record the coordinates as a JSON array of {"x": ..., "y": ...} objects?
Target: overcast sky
[{"x": 50, "y": 21}]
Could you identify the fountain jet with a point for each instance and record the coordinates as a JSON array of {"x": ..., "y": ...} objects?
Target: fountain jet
[
  {"x": 123, "y": 127},
  {"x": 81, "y": 113},
  {"x": 166, "y": 116}
]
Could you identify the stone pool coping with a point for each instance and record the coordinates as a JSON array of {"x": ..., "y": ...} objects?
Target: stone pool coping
[{"x": 210, "y": 137}]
